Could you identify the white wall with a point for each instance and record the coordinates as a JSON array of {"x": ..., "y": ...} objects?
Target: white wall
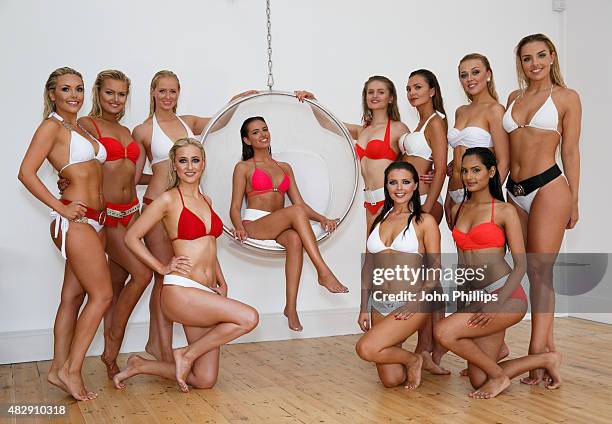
[
  {"x": 589, "y": 71},
  {"x": 218, "y": 48}
]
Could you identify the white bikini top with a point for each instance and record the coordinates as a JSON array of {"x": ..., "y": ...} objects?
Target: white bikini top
[
  {"x": 81, "y": 149},
  {"x": 415, "y": 143},
  {"x": 406, "y": 241},
  {"x": 469, "y": 137},
  {"x": 545, "y": 118},
  {"x": 161, "y": 143}
]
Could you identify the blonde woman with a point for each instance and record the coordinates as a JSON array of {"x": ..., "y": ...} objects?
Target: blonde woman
[
  {"x": 157, "y": 134},
  {"x": 194, "y": 289},
  {"x": 477, "y": 124},
  {"x": 121, "y": 172},
  {"x": 542, "y": 116},
  {"x": 76, "y": 155}
]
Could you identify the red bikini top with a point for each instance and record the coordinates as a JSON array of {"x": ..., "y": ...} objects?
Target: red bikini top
[
  {"x": 191, "y": 227},
  {"x": 261, "y": 182},
  {"x": 114, "y": 149},
  {"x": 481, "y": 236},
  {"x": 378, "y": 149}
]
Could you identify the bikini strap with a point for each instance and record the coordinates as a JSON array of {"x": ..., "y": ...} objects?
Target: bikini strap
[
  {"x": 93, "y": 121},
  {"x": 181, "y": 194},
  {"x": 281, "y": 168},
  {"x": 388, "y": 132}
]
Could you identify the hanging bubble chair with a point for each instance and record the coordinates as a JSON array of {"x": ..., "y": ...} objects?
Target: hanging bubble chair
[{"x": 307, "y": 136}]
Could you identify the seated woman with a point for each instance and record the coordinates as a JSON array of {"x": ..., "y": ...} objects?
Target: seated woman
[
  {"x": 194, "y": 290},
  {"x": 264, "y": 182},
  {"x": 483, "y": 224},
  {"x": 401, "y": 235}
]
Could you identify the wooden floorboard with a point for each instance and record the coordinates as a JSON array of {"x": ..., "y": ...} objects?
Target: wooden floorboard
[{"x": 323, "y": 381}]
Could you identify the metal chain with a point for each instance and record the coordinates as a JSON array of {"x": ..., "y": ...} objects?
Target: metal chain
[{"x": 269, "y": 23}]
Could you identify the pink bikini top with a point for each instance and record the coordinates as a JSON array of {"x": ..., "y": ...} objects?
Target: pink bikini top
[{"x": 261, "y": 182}]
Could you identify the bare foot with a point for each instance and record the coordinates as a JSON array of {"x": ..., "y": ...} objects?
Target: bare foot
[
  {"x": 414, "y": 373},
  {"x": 293, "y": 319},
  {"x": 535, "y": 376},
  {"x": 153, "y": 349},
  {"x": 431, "y": 366},
  {"x": 331, "y": 283},
  {"x": 553, "y": 370},
  {"x": 183, "y": 366},
  {"x": 53, "y": 378},
  {"x": 504, "y": 351},
  {"x": 111, "y": 366},
  {"x": 131, "y": 369},
  {"x": 74, "y": 384},
  {"x": 438, "y": 352},
  {"x": 491, "y": 388}
]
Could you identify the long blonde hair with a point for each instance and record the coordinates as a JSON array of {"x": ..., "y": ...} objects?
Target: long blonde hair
[
  {"x": 159, "y": 75},
  {"x": 555, "y": 69},
  {"x": 182, "y": 142},
  {"x": 485, "y": 62},
  {"x": 50, "y": 86},
  {"x": 392, "y": 109},
  {"x": 112, "y": 74}
]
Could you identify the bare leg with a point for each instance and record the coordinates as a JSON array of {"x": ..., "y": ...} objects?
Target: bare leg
[
  {"x": 85, "y": 251},
  {"x": 118, "y": 276},
  {"x": 380, "y": 345},
  {"x": 229, "y": 318},
  {"x": 454, "y": 334},
  {"x": 129, "y": 295},
  {"x": 160, "y": 328},
  {"x": 290, "y": 239},
  {"x": 546, "y": 228},
  {"x": 504, "y": 351},
  {"x": 65, "y": 320},
  {"x": 271, "y": 226}
]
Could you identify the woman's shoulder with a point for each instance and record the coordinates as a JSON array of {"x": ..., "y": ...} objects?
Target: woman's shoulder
[
  {"x": 399, "y": 127},
  {"x": 566, "y": 93}
]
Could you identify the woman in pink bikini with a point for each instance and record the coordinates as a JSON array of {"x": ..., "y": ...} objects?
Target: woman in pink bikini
[{"x": 265, "y": 182}]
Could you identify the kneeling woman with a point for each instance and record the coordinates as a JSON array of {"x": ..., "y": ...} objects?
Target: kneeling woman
[
  {"x": 264, "y": 182},
  {"x": 483, "y": 224},
  {"x": 194, "y": 291},
  {"x": 400, "y": 233}
]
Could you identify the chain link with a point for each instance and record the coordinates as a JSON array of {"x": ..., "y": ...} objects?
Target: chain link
[{"x": 269, "y": 23}]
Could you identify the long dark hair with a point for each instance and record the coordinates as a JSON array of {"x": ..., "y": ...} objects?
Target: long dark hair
[
  {"x": 432, "y": 81},
  {"x": 487, "y": 157},
  {"x": 415, "y": 202},
  {"x": 247, "y": 151}
]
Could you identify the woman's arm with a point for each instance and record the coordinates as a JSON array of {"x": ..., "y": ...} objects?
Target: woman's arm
[
  {"x": 366, "y": 290},
  {"x": 153, "y": 214},
  {"x": 570, "y": 153},
  {"x": 199, "y": 123},
  {"x": 296, "y": 198},
  {"x": 501, "y": 146},
  {"x": 436, "y": 135},
  {"x": 139, "y": 177},
  {"x": 238, "y": 192},
  {"x": 41, "y": 145},
  {"x": 514, "y": 236},
  {"x": 354, "y": 129},
  {"x": 221, "y": 283}
]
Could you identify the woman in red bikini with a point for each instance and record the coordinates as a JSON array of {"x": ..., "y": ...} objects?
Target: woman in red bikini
[
  {"x": 157, "y": 134},
  {"x": 122, "y": 170},
  {"x": 483, "y": 224},
  {"x": 194, "y": 290},
  {"x": 76, "y": 155},
  {"x": 543, "y": 115},
  {"x": 377, "y": 139},
  {"x": 265, "y": 182}
]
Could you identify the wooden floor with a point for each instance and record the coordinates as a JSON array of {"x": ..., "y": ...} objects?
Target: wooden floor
[{"x": 323, "y": 381}]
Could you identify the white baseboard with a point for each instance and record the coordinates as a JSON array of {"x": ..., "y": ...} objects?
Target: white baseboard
[
  {"x": 37, "y": 345},
  {"x": 604, "y": 318}
]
